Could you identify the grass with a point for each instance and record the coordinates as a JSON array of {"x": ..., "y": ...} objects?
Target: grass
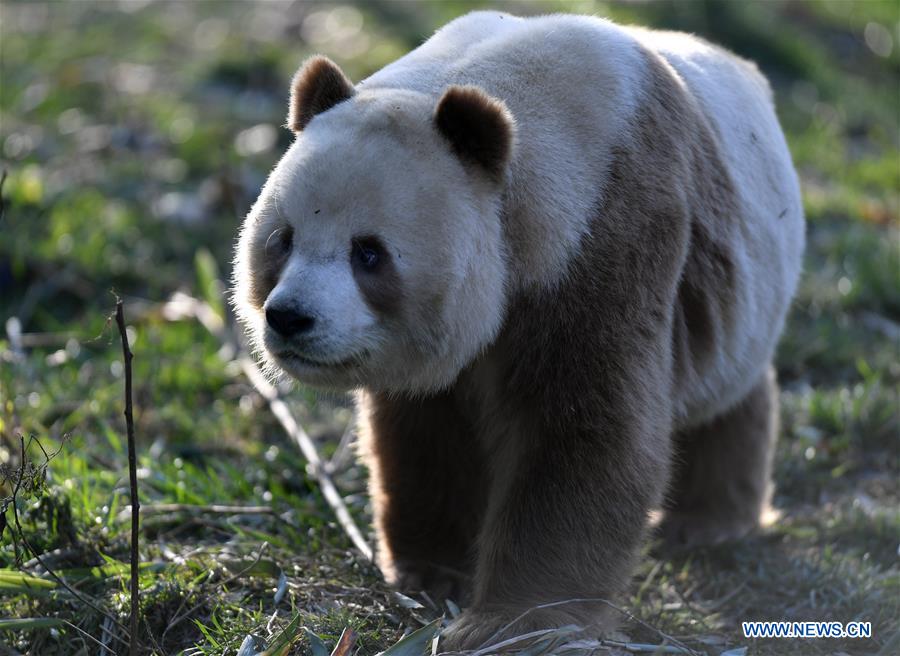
[{"x": 136, "y": 135}]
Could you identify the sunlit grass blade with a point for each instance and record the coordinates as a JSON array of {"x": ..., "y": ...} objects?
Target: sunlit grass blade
[
  {"x": 29, "y": 623},
  {"x": 416, "y": 643},
  {"x": 15, "y": 582},
  {"x": 283, "y": 641}
]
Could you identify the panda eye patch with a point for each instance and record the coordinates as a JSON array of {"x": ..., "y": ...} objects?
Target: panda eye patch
[
  {"x": 366, "y": 253},
  {"x": 280, "y": 241}
]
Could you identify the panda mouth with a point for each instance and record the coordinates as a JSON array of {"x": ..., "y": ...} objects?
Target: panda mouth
[{"x": 293, "y": 357}]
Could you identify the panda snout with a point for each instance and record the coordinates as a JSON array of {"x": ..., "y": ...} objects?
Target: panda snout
[{"x": 288, "y": 321}]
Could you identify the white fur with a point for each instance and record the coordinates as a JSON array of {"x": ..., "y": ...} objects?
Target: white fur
[
  {"x": 587, "y": 71},
  {"x": 374, "y": 164},
  {"x": 343, "y": 321},
  {"x": 738, "y": 101}
]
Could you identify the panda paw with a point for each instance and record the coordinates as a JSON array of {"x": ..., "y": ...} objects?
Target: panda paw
[
  {"x": 476, "y": 630},
  {"x": 472, "y": 630},
  {"x": 688, "y": 530},
  {"x": 439, "y": 583}
]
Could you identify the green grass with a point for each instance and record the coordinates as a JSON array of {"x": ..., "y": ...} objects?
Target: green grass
[{"x": 129, "y": 165}]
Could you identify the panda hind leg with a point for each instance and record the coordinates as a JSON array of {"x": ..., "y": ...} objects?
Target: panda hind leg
[{"x": 721, "y": 483}]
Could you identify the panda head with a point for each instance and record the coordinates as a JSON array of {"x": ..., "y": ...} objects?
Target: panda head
[{"x": 374, "y": 255}]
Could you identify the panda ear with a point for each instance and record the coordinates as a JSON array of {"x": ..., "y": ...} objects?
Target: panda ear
[
  {"x": 318, "y": 86},
  {"x": 480, "y": 128}
]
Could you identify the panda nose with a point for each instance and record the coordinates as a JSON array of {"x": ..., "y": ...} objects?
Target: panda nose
[{"x": 288, "y": 322}]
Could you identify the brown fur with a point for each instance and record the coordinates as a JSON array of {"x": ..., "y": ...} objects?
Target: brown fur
[
  {"x": 266, "y": 262},
  {"x": 427, "y": 513},
  {"x": 557, "y": 440},
  {"x": 382, "y": 289},
  {"x": 703, "y": 313},
  {"x": 478, "y": 127},
  {"x": 722, "y": 477},
  {"x": 318, "y": 86}
]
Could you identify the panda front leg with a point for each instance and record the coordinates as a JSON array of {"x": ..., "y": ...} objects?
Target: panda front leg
[
  {"x": 426, "y": 480},
  {"x": 562, "y": 533}
]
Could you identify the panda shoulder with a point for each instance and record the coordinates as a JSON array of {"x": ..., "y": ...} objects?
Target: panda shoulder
[{"x": 475, "y": 26}]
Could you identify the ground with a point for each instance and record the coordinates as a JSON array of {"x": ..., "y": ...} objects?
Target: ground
[{"x": 135, "y": 135}]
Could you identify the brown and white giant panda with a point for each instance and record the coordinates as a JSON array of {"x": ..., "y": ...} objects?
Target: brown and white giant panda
[{"x": 554, "y": 256}]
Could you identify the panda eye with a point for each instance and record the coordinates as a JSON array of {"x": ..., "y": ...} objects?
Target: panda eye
[
  {"x": 366, "y": 253},
  {"x": 280, "y": 241}
]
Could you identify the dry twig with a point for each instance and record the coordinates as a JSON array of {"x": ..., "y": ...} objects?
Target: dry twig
[
  {"x": 56, "y": 577},
  {"x": 195, "y": 509},
  {"x": 488, "y": 645},
  {"x": 316, "y": 467},
  {"x": 133, "y": 484},
  {"x": 187, "y": 306},
  {"x": 179, "y": 616}
]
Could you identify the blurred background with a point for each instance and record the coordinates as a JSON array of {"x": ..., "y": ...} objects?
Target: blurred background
[{"x": 134, "y": 135}]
